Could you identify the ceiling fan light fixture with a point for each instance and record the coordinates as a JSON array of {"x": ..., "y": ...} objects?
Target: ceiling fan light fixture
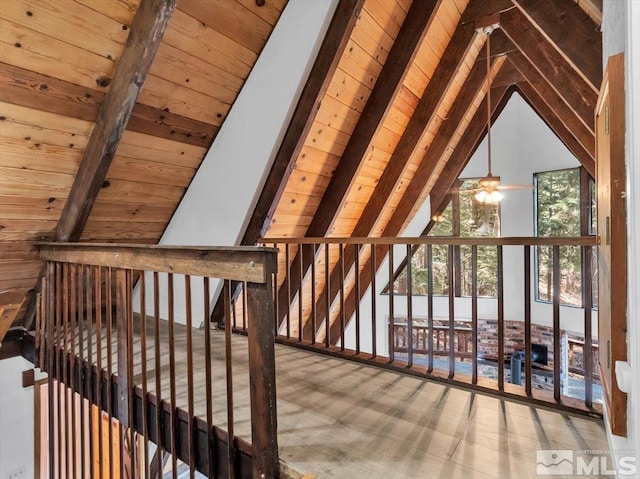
[{"x": 489, "y": 197}]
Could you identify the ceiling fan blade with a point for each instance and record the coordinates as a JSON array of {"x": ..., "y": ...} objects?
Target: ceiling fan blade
[{"x": 515, "y": 187}]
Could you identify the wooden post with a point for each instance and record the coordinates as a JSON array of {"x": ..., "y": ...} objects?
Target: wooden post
[
  {"x": 124, "y": 353},
  {"x": 262, "y": 372}
]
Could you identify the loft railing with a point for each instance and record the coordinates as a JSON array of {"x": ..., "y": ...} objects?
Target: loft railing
[
  {"x": 123, "y": 385},
  {"x": 323, "y": 303}
]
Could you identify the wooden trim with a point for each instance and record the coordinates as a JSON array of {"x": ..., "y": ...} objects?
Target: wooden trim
[
  {"x": 576, "y": 92},
  {"x": 149, "y": 24},
  {"x": 482, "y": 8},
  {"x": 582, "y": 48},
  {"x": 253, "y": 264},
  {"x": 446, "y": 240}
]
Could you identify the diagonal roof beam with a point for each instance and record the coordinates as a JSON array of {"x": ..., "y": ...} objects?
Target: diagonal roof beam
[
  {"x": 576, "y": 92},
  {"x": 331, "y": 51},
  {"x": 425, "y": 113},
  {"x": 570, "y": 120},
  {"x": 464, "y": 150},
  {"x": 413, "y": 192},
  {"x": 573, "y": 34},
  {"x": 556, "y": 125},
  {"x": 388, "y": 85},
  {"x": 149, "y": 24}
]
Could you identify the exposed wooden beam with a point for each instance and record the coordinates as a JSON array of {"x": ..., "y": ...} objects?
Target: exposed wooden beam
[
  {"x": 331, "y": 51},
  {"x": 387, "y": 86},
  {"x": 41, "y": 92},
  {"x": 453, "y": 58},
  {"x": 593, "y": 8},
  {"x": 509, "y": 75},
  {"x": 551, "y": 97},
  {"x": 413, "y": 192},
  {"x": 149, "y": 24},
  {"x": 576, "y": 36},
  {"x": 564, "y": 79},
  {"x": 538, "y": 104},
  {"x": 476, "y": 10},
  {"x": 333, "y": 45}
]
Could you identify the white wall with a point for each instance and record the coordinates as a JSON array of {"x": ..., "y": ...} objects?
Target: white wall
[
  {"x": 522, "y": 145},
  {"x": 220, "y": 199},
  {"x": 621, "y": 33},
  {"x": 16, "y": 419}
]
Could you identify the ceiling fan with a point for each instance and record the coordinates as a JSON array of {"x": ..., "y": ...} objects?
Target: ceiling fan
[{"x": 489, "y": 187}]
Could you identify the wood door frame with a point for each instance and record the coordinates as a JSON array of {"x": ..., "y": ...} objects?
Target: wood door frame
[{"x": 612, "y": 235}]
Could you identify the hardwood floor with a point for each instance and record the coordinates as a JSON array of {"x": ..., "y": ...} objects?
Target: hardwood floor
[{"x": 339, "y": 419}]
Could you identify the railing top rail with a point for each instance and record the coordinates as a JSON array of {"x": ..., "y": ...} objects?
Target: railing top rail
[
  {"x": 445, "y": 240},
  {"x": 239, "y": 263}
]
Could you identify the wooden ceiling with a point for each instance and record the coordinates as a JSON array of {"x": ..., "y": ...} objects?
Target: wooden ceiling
[{"x": 393, "y": 110}]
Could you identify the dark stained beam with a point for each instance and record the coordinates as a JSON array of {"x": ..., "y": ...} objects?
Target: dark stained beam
[
  {"x": 538, "y": 104},
  {"x": 576, "y": 36},
  {"x": 386, "y": 88},
  {"x": 425, "y": 113},
  {"x": 149, "y": 24},
  {"x": 509, "y": 75},
  {"x": 557, "y": 104},
  {"x": 565, "y": 80},
  {"x": 331, "y": 51},
  {"x": 464, "y": 150},
  {"x": 41, "y": 92},
  {"x": 335, "y": 41},
  {"x": 476, "y": 10},
  {"x": 438, "y": 147},
  {"x": 388, "y": 85}
]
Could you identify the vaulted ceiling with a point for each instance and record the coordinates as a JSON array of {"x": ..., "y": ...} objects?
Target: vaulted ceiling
[{"x": 393, "y": 110}]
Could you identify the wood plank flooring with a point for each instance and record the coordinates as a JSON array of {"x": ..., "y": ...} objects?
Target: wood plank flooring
[{"x": 339, "y": 419}]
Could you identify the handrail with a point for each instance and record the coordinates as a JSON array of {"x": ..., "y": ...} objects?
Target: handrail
[
  {"x": 446, "y": 240},
  {"x": 242, "y": 263}
]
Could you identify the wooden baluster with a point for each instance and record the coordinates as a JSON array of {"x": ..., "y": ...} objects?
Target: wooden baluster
[
  {"x": 190, "y": 384},
  {"x": 327, "y": 299},
  {"x": 72, "y": 370},
  {"x": 207, "y": 376},
  {"x": 500, "y": 319},
  {"x": 527, "y": 320},
  {"x": 300, "y": 312},
  {"x": 356, "y": 287},
  {"x": 66, "y": 414},
  {"x": 98, "y": 303},
  {"x": 143, "y": 360},
  {"x": 374, "y": 294},
  {"x": 276, "y": 307},
  {"x": 84, "y": 453},
  {"x": 89, "y": 379},
  {"x": 314, "y": 326},
  {"x": 160, "y": 435},
  {"x": 392, "y": 325},
  {"x": 231, "y": 454},
  {"x": 172, "y": 377},
  {"x": 409, "y": 305},
  {"x": 430, "y": 305},
  {"x": 343, "y": 323},
  {"x": 288, "y": 279},
  {"x": 587, "y": 304},
  {"x": 452, "y": 318},
  {"x": 556, "y": 324},
  {"x": 474, "y": 314}
]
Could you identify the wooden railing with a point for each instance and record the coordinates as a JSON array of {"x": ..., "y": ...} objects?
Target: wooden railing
[
  {"x": 108, "y": 337},
  {"x": 424, "y": 338},
  {"x": 321, "y": 305}
]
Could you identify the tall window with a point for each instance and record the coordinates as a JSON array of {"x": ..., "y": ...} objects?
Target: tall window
[
  {"x": 463, "y": 217},
  {"x": 558, "y": 200}
]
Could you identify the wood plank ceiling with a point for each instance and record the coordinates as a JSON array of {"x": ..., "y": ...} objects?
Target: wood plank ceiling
[{"x": 394, "y": 108}]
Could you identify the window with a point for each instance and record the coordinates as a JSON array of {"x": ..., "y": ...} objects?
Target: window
[
  {"x": 464, "y": 217},
  {"x": 558, "y": 200}
]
